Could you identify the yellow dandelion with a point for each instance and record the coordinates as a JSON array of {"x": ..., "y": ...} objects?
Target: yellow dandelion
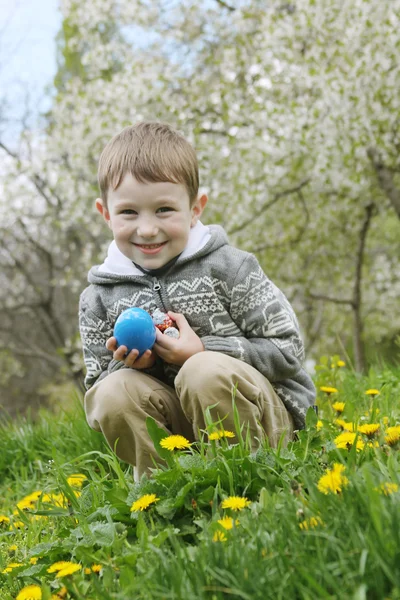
[
  {"x": 56, "y": 499},
  {"x": 223, "y": 433},
  {"x": 344, "y": 424},
  {"x": 372, "y": 444},
  {"x": 219, "y": 536},
  {"x": 369, "y": 429},
  {"x": 33, "y": 560},
  {"x": 4, "y": 520},
  {"x": 333, "y": 481},
  {"x": 235, "y": 503},
  {"x": 341, "y": 363},
  {"x": 319, "y": 425},
  {"x": 76, "y": 480},
  {"x": 13, "y": 548},
  {"x": 62, "y": 593},
  {"x": 96, "y": 568},
  {"x": 144, "y": 502},
  {"x": 385, "y": 420},
  {"x": 57, "y": 566},
  {"x": 69, "y": 570},
  {"x": 392, "y": 435},
  {"x": 175, "y": 442},
  {"x": 372, "y": 392},
  {"x": 30, "y": 592},
  {"x": 227, "y": 522},
  {"x": 11, "y": 566},
  {"x": 328, "y": 390},
  {"x": 387, "y": 488},
  {"x": 346, "y": 440},
  {"x": 17, "y": 525},
  {"x": 338, "y": 406},
  {"x": 310, "y": 523}
]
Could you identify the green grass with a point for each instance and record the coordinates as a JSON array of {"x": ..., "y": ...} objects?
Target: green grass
[{"x": 177, "y": 549}]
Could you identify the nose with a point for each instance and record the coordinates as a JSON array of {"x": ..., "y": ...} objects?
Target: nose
[{"x": 147, "y": 228}]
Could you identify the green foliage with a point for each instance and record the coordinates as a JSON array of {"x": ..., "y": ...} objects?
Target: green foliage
[{"x": 292, "y": 540}]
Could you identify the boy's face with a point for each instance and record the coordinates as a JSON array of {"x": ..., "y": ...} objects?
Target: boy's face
[{"x": 150, "y": 221}]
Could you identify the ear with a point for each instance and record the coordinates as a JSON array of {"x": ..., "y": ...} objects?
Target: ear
[
  {"x": 103, "y": 211},
  {"x": 198, "y": 208}
]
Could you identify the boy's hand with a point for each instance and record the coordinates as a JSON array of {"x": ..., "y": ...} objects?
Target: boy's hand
[
  {"x": 177, "y": 351},
  {"x": 146, "y": 361}
]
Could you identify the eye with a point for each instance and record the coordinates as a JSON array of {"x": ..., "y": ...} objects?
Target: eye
[
  {"x": 128, "y": 211},
  {"x": 164, "y": 209}
]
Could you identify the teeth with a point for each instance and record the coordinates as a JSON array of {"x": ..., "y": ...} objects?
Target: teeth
[{"x": 150, "y": 246}]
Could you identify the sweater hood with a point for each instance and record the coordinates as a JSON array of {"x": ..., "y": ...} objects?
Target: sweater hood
[{"x": 203, "y": 239}]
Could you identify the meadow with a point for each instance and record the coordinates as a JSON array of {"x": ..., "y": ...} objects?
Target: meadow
[{"x": 317, "y": 519}]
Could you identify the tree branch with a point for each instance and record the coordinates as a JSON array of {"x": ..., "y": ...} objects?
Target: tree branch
[
  {"x": 385, "y": 179},
  {"x": 225, "y": 5},
  {"x": 349, "y": 302},
  {"x": 268, "y": 205}
]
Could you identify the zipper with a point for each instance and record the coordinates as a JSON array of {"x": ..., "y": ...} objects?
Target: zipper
[{"x": 156, "y": 286}]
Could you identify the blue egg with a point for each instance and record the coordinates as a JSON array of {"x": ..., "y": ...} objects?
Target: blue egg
[{"x": 135, "y": 329}]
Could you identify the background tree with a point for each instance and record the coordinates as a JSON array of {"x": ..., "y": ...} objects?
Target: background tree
[{"x": 294, "y": 111}]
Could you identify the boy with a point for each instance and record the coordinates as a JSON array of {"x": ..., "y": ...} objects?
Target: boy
[{"x": 235, "y": 326}]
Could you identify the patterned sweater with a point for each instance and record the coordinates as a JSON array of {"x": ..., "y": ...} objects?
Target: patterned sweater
[{"x": 228, "y": 301}]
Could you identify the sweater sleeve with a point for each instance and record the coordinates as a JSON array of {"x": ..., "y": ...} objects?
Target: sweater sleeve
[
  {"x": 99, "y": 363},
  {"x": 271, "y": 340}
]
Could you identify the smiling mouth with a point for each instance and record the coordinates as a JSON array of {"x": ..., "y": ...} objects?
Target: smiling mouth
[{"x": 150, "y": 246}]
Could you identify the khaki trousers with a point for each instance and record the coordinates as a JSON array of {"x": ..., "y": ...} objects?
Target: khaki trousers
[{"x": 119, "y": 404}]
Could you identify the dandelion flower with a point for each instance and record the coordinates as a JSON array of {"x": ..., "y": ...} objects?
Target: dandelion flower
[
  {"x": 372, "y": 392},
  {"x": 175, "y": 442},
  {"x": 344, "y": 424},
  {"x": 310, "y": 523},
  {"x": 392, "y": 435},
  {"x": 227, "y": 522},
  {"x": 69, "y": 570},
  {"x": 223, "y": 433},
  {"x": 341, "y": 363},
  {"x": 56, "y": 499},
  {"x": 30, "y": 592},
  {"x": 333, "y": 481},
  {"x": 235, "y": 503},
  {"x": 17, "y": 525},
  {"x": 319, "y": 425},
  {"x": 328, "y": 390},
  {"x": 338, "y": 406},
  {"x": 387, "y": 488},
  {"x": 11, "y": 566},
  {"x": 96, "y": 568},
  {"x": 144, "y": 502},
  {"x": 4, "y": 520},
  {"x": 13, "y": 548},
  {"x": 57, "y": 566},
  {"x": 62, "y": 592},
  {"x": 76, "y": 480},
  {"x": 369, "y": 429},
  {"x": 28, "y": 502},
  {"x": 33, "y": 560},
  {"x": 219, "y": 536},
  {"x": 346, "y": 440}
]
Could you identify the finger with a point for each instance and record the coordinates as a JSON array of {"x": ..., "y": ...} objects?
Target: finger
[
  {"x": 131, "y": 358},
  {"x": 111, "y": 344},
  {"x": 144, "y": 361},
  {"x": 120, "y": 352},
  {"x": 179, "y": 319}
]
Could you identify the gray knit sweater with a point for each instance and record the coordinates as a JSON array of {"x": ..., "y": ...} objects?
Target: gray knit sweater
[{"x": 227, "y": 300}]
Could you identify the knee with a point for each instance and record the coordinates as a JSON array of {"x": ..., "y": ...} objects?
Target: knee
[
  {"x": 200, "y": 372},
  {"x": 107, "y": 399}
]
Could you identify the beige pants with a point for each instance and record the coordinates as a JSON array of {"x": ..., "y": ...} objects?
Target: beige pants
[{"x": 119, "y": 404}]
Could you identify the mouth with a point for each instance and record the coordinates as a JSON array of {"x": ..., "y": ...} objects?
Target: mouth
[{"x": 150, "y": 248}]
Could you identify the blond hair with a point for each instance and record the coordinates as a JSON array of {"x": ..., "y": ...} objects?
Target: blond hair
[{"x": 150, "y": 152}]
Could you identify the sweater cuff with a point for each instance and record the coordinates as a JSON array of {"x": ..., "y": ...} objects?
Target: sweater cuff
[{"x": 219, "y": 344}]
